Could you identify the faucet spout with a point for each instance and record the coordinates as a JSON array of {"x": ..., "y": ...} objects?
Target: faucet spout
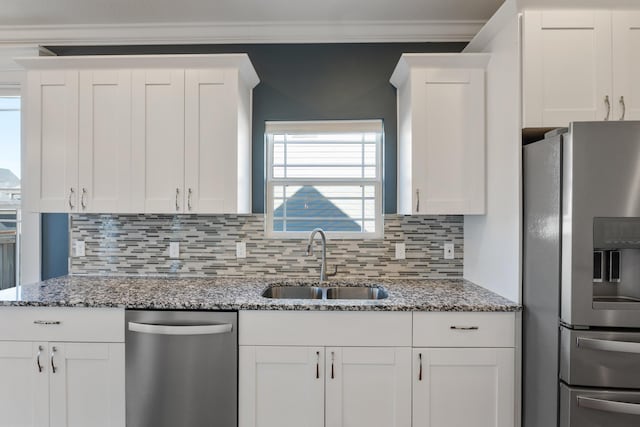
[{"x": 323, "y": 237}]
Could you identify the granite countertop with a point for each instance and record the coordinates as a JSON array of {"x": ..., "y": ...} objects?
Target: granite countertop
[{"x": 244, "y": 293}]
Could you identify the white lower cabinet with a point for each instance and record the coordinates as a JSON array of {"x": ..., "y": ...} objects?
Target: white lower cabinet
[
  {"x": 461, "y": 387},
  {"x": 281, "y": 386},
  {"x": 87, "y": 388},
  {"x": 368, "y": 386},
  {"x": 318, "y": 386},
  {"x": 377, "y": 369},
  {"x": 62, "y": 384},
  {"x": 23, "y": 388},
  {"x": 62, "y": 367}
]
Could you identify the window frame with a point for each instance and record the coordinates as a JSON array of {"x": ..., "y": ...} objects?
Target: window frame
[{"x": 324, "y": 126}]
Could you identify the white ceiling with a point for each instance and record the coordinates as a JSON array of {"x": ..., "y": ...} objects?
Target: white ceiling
[{"x": 110, "y": 12}]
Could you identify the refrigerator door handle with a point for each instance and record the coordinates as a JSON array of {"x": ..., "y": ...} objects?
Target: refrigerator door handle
[
  {"x": 608, "y": 345},
  {"x": 609, "y": 405}
]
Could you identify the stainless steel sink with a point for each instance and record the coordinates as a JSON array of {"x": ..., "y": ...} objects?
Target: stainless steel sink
[
  {"x": 317, "y": 292},
  {"x": 356, "y": 292},
  {"x": 293, "y": 292}
]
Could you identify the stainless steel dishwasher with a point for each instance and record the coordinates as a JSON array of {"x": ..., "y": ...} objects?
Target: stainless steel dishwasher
[{"x": 182, "y": 368}]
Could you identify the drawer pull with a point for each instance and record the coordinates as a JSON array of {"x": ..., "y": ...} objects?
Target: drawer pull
[
  {"x": 332, "y": 363},
  {"x": 607, "y": 345},
  {"x": 609, "y": 405},
  {"x": 47, "y": 322},
  {"x": 40, "y": 348},
  {"x": 53, "y": 366},
  {"x": 465, "y": 328}
]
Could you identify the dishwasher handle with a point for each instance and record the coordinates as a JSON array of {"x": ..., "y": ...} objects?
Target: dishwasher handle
[{"x": 147, "y": 328}]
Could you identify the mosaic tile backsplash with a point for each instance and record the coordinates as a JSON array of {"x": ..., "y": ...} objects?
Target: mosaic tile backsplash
[{"x": 139, "y": 245}]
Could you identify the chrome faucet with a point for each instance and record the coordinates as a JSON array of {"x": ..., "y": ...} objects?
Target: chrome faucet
[{"x": 323, "y": 266}]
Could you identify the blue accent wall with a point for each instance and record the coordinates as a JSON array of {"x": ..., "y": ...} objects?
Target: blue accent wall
[{"x": 55, "y": 245}]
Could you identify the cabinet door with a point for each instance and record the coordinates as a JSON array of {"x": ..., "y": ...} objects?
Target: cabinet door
[
  {"x": 463, "y": 387},
  {"x": 567, "y": 67},
  {"x": 105, "y": 141},
  {"x": 52, "y": 140},
  {"x": 24, "y": 384},
  {"x": 281, "y": 386},
  {"x": 626, "y": 65},
  {"x": 448, "y": 168},
  {"x": 88, "y": 386},
  {"x": 211, "y": 141},
  {"x": 368, "y": 387},
  {"x": 158, "y": 140}
]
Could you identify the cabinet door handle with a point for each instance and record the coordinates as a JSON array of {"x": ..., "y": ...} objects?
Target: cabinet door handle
[
  {"x": 47, "y": 322},
  {"x": 40, "y": 348},
  {"x": 177, "y": 195},
  {"x": 317, "y": 364},
  {"x": 82, "y": 201},
  {"x": 71, "y": 193},
  {"x": 189, "y": 198},
  {"x": 332, "y": 363},
  {"x": 624, "y": 108},
  {"x": 53, "y": 366},
  {"x": 417, "y": 200},
  {"x": 465, "y": 328},
  {"x": 420, "y": 368},
  {"x": 607, "y": 103}
]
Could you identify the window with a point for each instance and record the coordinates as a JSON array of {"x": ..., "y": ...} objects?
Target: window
[
  {"x": 9, "y": 190},
  {"x": 324, "y": 174}
]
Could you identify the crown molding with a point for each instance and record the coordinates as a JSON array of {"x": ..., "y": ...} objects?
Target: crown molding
[{"x": 243, "y": 32}]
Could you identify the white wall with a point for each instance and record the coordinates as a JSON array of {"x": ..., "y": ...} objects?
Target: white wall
[{"x": 492, "y": 241}]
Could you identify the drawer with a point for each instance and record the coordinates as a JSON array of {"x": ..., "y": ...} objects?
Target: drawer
[
  {"x": 62, "y": 324},
  {"x": 600, "y": 358},
  {"x": 468, "y": 329},
  {"x": 322, "y": 328},
  {"x": 588, "y": 407}
]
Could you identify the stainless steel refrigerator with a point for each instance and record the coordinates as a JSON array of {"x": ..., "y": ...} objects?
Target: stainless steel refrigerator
[{"x": 581, "y": 277}]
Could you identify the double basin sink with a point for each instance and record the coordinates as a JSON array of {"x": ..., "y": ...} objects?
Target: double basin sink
[{"x": 329, "y": 293}]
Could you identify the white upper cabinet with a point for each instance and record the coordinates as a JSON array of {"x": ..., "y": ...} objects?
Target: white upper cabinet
[
  {"x": 580, "y": 65},
  {"x": 52, "y": 141},
  {"x": 104, "y": 183},
  {"x": 626, "y": 64},
  {"x": 217, "y": 142},
  {"x": 567, "y": 67},
  {"x": 158, "y": 140},
  {"x": 441, "y": 133},
  {"x": 139, "y": 134}
]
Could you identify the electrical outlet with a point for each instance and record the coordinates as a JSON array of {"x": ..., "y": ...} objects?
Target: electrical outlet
[
  {"x": 241, "y": 250},
  {"x": 401, "y": 251},
  {"x": 449, "y": 252},
  {"x": 79, "y": 248},
  {"x": 174, "y": 250}
]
